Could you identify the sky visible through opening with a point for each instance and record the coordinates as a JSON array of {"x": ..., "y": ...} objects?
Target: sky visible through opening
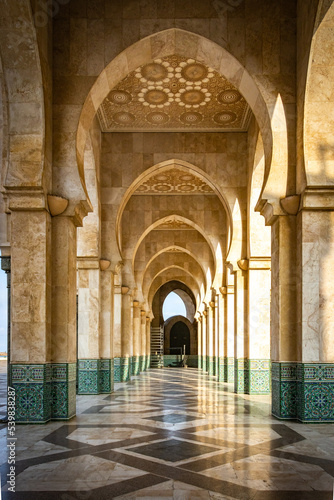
[
  {"x": 173, "y": 306},
  {"x": 3, "y": 311}
]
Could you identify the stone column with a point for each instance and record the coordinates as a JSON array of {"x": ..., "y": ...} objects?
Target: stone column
[
  {"x": 30, "y": 317},
  {"x": 315, "y": 293},
  {"x": 211, "y": 338},
  {"x": 127, "y": 334},
  {"x": 204, "y": 342},
  {"x": 216, "y": 345},
  {"x": 117, "y": 333},
  {"x": 106, "y": 373},
  {"x": 143, "y": 362},
  {"x": 136, "y": 338},
  {"x": 240, "y": 334},
  {"x": 148, "y": 342},
  {"x": 199, "y": 341},
  {"x": 63, "y": 338},
  {"x": 259, "y": 282},
  {"x": 88, "y": 279},
  {"x": 222, "y": 335},
  {"x": 230, "y": 334},
  {"x": 284, "y": 317}
]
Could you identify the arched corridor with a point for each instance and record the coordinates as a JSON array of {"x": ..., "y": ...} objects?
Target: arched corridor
[{"x": 150, "y": 148}]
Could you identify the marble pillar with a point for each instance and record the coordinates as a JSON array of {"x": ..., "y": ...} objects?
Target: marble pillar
[
  {"x": 30, "y": 361},
  {"x": 222, "y": 337},
  {"x": 106, "y": 373},
  {"x": 63, "y": 330},
  {"x": 204, "y": 341},
  {"x": 143, "y": 362},
  {"x": 199, "y": 341},
  {"x": 148, "y": 342},
  {"x": 126, "y": 335},
  {"x": 136, "y": 325},
  {"x": 216, "y": 338},
  {"x": 241, "y": 372},
  {"x": 315, "y": 349},
  {"x": 117, "y": 333},
  {"x": 88, "y": 284},
  {"x": 259, "y": 283},
  {"x": 211, "y": 338},
  {"x": 284, "y": 317},
  {"x": 229, "y": 360}
]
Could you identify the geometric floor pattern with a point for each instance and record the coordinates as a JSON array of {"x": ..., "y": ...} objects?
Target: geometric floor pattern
[{"x": 172, "y": 433}]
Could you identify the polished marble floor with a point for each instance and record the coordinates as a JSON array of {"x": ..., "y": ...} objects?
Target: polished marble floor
[{"x": 173, "y": 433}]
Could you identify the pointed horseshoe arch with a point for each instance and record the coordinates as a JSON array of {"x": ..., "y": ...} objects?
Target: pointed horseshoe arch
[{"x": 166, "y": 43}]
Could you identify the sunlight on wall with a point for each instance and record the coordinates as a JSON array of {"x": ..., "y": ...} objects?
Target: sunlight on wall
[{"x": 173, "y": 306}]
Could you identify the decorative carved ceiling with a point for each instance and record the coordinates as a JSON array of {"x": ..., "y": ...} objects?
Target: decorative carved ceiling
[
  {"x": 174, "y": 181},
  {"x": 174, "y": 93}
]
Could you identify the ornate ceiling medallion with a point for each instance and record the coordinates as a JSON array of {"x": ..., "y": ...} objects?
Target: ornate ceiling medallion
[
  {"x": 174, "y": 93},
  {"x": 155, "y": 97},
  {"x": 191, "y": 117},
  {"x": 120, "y": 97},
  {"x": 229, "y": 96},
  {"x": 225, "y": 117},
  {"x": 157, "y": 118},
  {"x": 124, "y": 118}
]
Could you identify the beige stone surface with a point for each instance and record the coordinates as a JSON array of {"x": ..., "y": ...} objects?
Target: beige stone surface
[{"x": 177, "y": 209}]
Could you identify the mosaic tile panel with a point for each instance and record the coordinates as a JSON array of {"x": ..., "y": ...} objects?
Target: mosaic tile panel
[
  {"x": 204, "y": 358},
  {"x": 241, "y": 376},
  {"x": 32, "y": 384},
  {"x": 211, "y": 365},
  {"x": 125, "y": 367},
  {"x": 117, "y": 369},
  {"x": 315, "y": 392},
  {"x": 284, "y": 390},
  {"x": 216, "y": 366},
  {"x": 136, "y": 365},
  {"x": 88, "y": 376},
  {"x": 259, "y": 376},
  {"x": 106, "y": 376},
  {"x": 230, "y": 370},
  {"x": 221, "y": 370},
  {"x": 63, "y": 391},
  {"x": 132, "y": 365}
]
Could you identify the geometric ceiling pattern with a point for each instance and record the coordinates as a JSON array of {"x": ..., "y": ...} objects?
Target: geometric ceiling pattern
[
  {"x": 173, "y": 181},
  {"x": 174, "y": 93}
]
